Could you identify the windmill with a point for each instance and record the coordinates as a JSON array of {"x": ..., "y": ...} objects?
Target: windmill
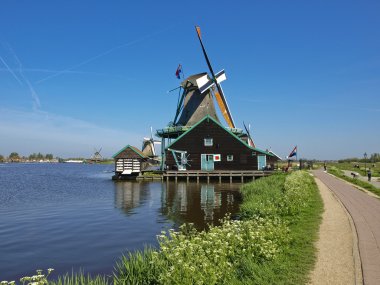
[
  {"x": 97, "y": 156},
  {"x": 197, "y": 98},
  {"x": 148, "y": 146}
]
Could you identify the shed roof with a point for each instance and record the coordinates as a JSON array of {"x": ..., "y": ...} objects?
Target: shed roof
[
  {"x": 135, "y": 149},
  {"x": 226, "y": 129}
]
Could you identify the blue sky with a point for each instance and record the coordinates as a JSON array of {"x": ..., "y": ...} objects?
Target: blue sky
[{"x": 79, "y": 75}]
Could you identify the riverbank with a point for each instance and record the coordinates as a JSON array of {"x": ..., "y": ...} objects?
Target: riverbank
[{"x": 273, "y": 241}]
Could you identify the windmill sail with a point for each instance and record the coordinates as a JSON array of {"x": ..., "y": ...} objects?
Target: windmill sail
[
  {"x": 250, "y": 139},
  {"x": 216, "y": 80},
  {"x": 224, "y": 109}
]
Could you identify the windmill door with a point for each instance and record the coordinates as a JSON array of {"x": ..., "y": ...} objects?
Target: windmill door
[
  {"x": 207, "y": 162},
  {"x": 261, "y": 162}
]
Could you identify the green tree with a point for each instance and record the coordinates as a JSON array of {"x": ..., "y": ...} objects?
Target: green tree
[
  {"x": 33, "y": 156},
  {"x": 1, "y": 158},
  {"x": 49, "y": 156},
  {"x": 40, "y": 156},
  {"x": 14, "y": 156}
]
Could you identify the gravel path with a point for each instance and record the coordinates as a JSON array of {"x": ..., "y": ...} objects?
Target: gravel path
[
  {"x": 336, "y": 259},
  {"x": 365, "y": 213}
]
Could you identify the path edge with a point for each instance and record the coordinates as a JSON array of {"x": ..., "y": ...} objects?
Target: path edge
[
  {"x": 356, "y": 186},
  {"x": 355, "y": 241}
]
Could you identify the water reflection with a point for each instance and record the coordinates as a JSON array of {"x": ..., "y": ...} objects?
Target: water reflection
[
  {"x": 128, "y": 195},
  {"x": 200, "y": 204}
]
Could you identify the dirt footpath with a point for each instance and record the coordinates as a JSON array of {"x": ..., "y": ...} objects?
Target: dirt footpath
[{"x": 338, "y": 260}]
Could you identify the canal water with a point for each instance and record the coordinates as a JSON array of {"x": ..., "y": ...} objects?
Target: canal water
[{"x": 73, "y": 216}]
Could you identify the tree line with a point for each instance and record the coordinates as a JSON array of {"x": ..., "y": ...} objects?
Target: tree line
[
  {"x": 14, "y": 157},
  {"x": 374, "y": 157}
]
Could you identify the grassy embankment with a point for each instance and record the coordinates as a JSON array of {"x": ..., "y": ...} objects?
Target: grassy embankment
[
  {"x": 362, "y": 170},
  {"x": 339, "y": 173},
  {"x": 273, "y": 243}
]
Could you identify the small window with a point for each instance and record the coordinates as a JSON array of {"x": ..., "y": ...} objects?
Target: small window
[
  {"x": 230, "y": 157},
  {"x": 208, "y": 142}
]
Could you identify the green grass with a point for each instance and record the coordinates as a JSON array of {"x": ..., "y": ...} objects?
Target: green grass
[
  {"x": 339, "y": 173},
  {"x": 272, "y": 244},
  {"x": 302, "y": 213},
  {"x": 361, "y": 170},
  {"x": 81, "y": 279}
]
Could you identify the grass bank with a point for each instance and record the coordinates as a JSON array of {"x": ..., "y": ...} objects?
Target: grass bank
[
  {"x": 339, "y": 173},
  {"x": 361, "y": 169},
  {"x": 272, "y": 243},
  {"x": 295, "y": 200}
]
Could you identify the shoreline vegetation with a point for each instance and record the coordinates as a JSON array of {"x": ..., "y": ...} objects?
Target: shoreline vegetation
[{"x": 273, "y": 242}]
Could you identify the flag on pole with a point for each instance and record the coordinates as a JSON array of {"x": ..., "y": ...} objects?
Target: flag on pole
[
  {"x": 293, "y": 153},
  {"x": 179, "y": 71}
]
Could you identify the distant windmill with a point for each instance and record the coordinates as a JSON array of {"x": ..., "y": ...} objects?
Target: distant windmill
[
  {"x": 97, "y": 156},
  {"x": 250, "y": 139},
  {"x": 148, "y": 147}
]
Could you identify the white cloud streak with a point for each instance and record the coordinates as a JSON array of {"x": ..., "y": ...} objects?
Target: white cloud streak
[
  {"x": 10, "y": 70},
  {"x": 42, "y": 70},
  {"x": 33, "y": 93},
  {"x": 98, "y": 56}
]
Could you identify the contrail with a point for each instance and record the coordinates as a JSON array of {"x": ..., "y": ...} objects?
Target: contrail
[
  {"x": 41, "y": 70},
  {"x": 99, "y": 55},
  {"x": 10, "y": 70},
  {"x": 36, "y": 99}
]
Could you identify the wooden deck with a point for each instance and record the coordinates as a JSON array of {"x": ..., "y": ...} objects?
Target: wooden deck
[
  {"x": 220, "y": 175},
  {"x": 197, "y": 175}
]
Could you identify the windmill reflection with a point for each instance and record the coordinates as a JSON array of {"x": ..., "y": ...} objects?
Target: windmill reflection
[{"x": 200, "y": 204}]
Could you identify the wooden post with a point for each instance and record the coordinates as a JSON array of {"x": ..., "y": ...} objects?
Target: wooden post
[
  {"x": 242, "y": 178},
  {"x": 230, "y": 178},
  {"x": 187, "y": 178},
  {"x": 197, "y": 178},
  {"x": 220, "y": 178},
  {"x": 208, "y": 178}
]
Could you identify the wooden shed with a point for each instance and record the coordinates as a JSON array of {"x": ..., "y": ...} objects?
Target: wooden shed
[
  {"x": 209, "y": 146},
  {"x": 129, "y": 161}
]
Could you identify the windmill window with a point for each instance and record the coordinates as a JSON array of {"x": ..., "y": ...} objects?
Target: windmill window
[
  {"x": 230, "y": 157},
  {"x": 208, "y": 141}
]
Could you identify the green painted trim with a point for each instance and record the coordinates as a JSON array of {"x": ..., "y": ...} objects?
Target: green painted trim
[
  {"x": 132, "y": 148},
  {"x": 220, "y": 125}
]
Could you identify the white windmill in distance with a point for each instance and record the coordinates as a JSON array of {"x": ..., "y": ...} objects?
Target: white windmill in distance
[
  {"x": 149, "y": 145},
  {"x": 97, "y": 156}
]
